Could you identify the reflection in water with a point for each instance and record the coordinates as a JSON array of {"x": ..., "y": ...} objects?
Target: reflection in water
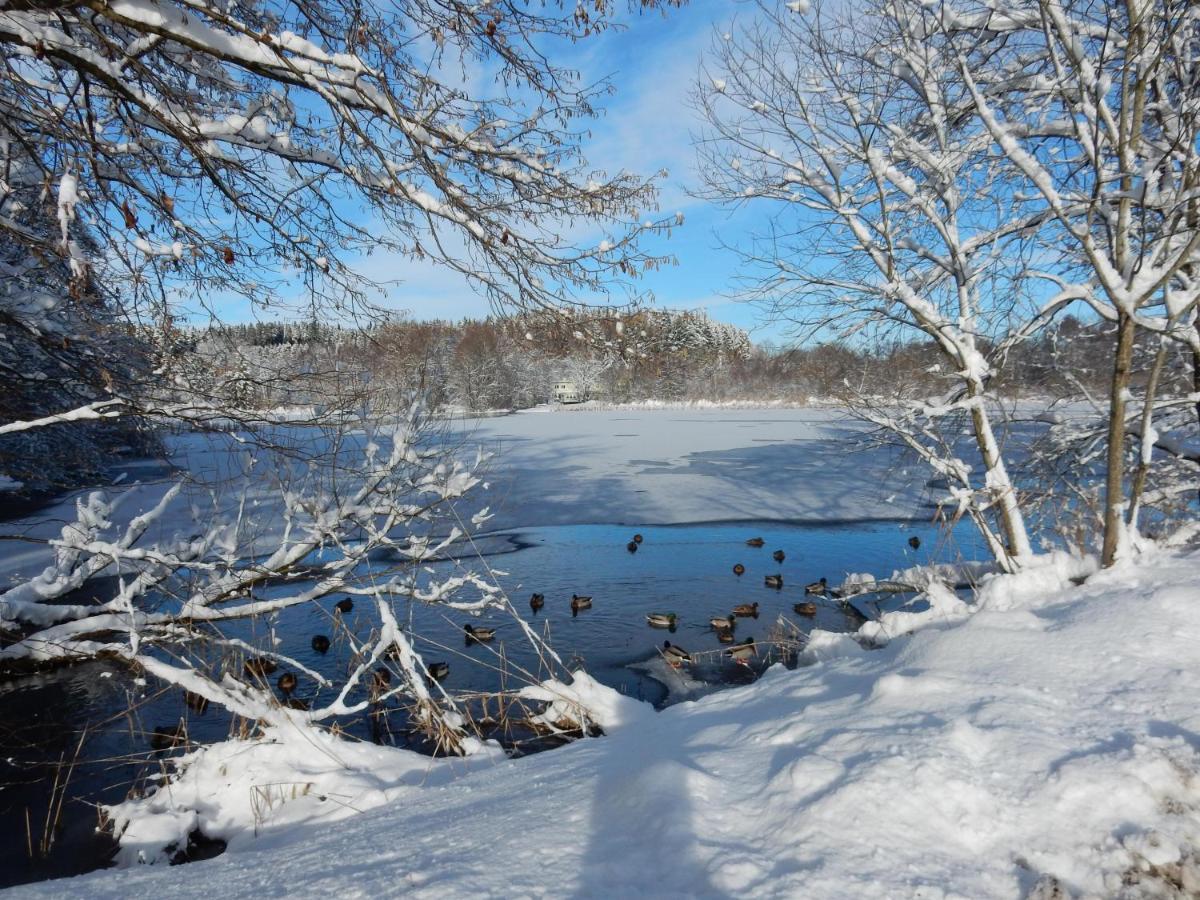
[{"x": 79, "y": 736}]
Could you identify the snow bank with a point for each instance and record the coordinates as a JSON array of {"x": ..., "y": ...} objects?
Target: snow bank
[
  {"x": 586, "y": 700},
  {"x": 1048, "y": 741},
  {"x": 255, "y": 792}
]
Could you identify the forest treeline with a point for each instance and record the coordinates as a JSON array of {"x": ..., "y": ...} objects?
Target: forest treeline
[{"x": 513, "y": 362}]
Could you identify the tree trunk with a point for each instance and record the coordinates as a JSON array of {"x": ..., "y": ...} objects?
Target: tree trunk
[
  {"x": 1114, "y": 486},
  {"x": 1012, "y": 521},
  {"x": 1196, "y": 372}
]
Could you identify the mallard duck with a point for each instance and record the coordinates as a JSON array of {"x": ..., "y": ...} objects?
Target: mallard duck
[
  {"x": 914, "y": 542},
  {"x": 320, "y": 643},
  {"x": 675, "y": 655},
  {"x": 746, "y": 609},
  {"x": 773, "y": 581},
  {"x": 164, "y": 737},
  {"x": 438, "y": 670},
  {"x": 725, "y": 635},
  {"x": 661, "y": 620},
  {"x": 537, "y": 601},
  {"x": 806, "y": 609},
  {"x": 778, "y": 556},
  {"x": 739, "y": 569},
  {"x": 637, "y": 538},
  {"x": 380, "y": 680},
  {"x": 259, "y": 667},
  {"x": 286, "y": 683},
  {"x": 742, "y": 652},
  {"x": 578, "y": 602},
  {"x": 344, "y": 605},
  {"x": 817, "y": 587},
  {"x": 727, "y": 623},
  {"x": 475, "y": 633},
  {"x": 755, "y": 542},
  {"x": 631, "y": 547}
]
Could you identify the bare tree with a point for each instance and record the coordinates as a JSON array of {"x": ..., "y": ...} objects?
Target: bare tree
[
  {"x": 1094, "y": 106},
  {"x": 888, "y": 213},
  {"x": 158, "y": 155}
]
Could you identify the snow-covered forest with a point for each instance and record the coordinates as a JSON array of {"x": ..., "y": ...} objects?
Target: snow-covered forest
[{"x": 885, "y": 588}]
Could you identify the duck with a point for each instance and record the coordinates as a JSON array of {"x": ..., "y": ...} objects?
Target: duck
[
  {"x": 637, "y": 538},
  {"x": 806, "y": 609},
  {"x": 537, "y": 601},
  {"x": 438, "y": 670},
  {"x": 259, "y": 667},
  {"x": 475, "y": 633},
  {"x": 380, "y": 680},
  {"x": 773, "y": 581},
  {"x": 675, "y": 655},
  {"x": 725, "y": 635},
  {"x": 286, "y": 683},
  {"x": 320, "y": 643},
  {"x": 164, "y": 737},
  {"x": 739, "y": 569},
  {"x": 746, "y": 609},
  {"x": 726, "y": 623},
  {"x": 632, "y": 546},
  {"x": 344, "y": 605},
  {"x": 755, "y": 542},
  {"x": 778, "y": 556},
  {"x": 661, "y": 620},
  {"x": 914, "y": 542},
  {"x": 578, "y": 602},
  {"x": 742, "y": 653},
  {"x": 817, "y": 587}
]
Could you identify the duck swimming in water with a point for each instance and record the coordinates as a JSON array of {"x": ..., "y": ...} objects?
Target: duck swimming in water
[
  {"x": 578, "y": 603},
  {"x": 755, "y": 542},
  {"x": 746, "y": 609},
  {"x": 806, "y": 609},
  {"x": 344, "y": 605},
  {"x": 818, "y": 587},
  {"x": 778, "y": 556},
  {"x": 773, "y": 581},
  {"x": 320, "y": 643},
  {"x": 739, "y": 569},
  {"x": 475, "y": 633},
  {"x": 661, "y": 620}
]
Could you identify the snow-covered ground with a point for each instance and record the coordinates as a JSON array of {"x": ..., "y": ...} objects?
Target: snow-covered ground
[{"x": 1051, "y": 734}]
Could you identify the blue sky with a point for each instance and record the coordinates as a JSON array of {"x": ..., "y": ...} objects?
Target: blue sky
[{"x": 648, "y": 125}]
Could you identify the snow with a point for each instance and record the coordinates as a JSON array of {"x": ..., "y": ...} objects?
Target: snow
[
  {"x": 1047, "y": 739},
  {"x": 675, "y": 464}
]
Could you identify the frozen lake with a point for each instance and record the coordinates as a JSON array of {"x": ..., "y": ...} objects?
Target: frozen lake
[
  {"x": 568, "y": 489},
  {"x": 575, "y": 466}
]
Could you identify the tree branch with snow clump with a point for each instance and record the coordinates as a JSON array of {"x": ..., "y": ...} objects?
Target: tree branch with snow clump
[{"x": 174, "y": 593}]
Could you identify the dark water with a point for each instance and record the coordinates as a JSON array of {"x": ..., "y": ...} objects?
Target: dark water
[{"x": 84, "y": 735}]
